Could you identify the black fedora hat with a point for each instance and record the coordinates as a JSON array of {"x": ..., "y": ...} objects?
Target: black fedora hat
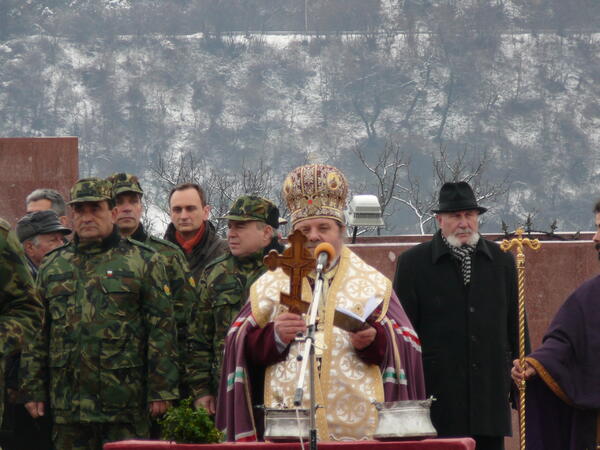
[{"x": 457, "y": 197}]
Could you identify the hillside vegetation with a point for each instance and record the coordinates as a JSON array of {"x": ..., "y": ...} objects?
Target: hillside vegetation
[{"x": 222, "y": 91}]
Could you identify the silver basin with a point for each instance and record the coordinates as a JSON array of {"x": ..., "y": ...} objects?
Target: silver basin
[
  {"x": 404, "y": 419},
  {"x": 284, "y": 425}
]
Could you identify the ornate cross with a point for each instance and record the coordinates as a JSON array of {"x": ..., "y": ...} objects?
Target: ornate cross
[
  {"x": 297, "y": 263},
  {"x": 519, "y": 242}
]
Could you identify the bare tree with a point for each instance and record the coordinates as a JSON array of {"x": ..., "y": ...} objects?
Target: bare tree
[
  {"x": 167, "y": 171},
  {"x": 256, "y": 179},
  {"x": 386, "y": 171},
  {"x": 419, "y": 201},
  {"x": 449, "y": 90},
  {"x": 470, "y": 170},
  {"x": 222, "y": 186},
  {"x": 422, "y": 199}
]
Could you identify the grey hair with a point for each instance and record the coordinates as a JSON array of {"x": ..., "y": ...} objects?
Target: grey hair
[
  {"x": 56, "y": 200},
  {"x": 34, "y": 240}
]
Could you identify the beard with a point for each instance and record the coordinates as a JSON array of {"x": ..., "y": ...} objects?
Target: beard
[
  {"x": 472, "y": 241},
  {"x": 597, "y": 246}
]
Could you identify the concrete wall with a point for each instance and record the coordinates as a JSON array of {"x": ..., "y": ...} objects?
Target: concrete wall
[{"x": 30, "y": 163}]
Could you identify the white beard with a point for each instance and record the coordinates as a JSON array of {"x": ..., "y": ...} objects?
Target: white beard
[{"x": 455, "y": 242}]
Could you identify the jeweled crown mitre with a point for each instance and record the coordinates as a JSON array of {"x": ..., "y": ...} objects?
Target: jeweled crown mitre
[{"x": 315, "y": 190}]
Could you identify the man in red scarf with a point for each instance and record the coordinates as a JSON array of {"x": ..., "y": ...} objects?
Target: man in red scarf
[{"x": 190, "y": 228}]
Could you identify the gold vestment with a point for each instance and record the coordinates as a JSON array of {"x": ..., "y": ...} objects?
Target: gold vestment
[{"x": 345, "y": 386}]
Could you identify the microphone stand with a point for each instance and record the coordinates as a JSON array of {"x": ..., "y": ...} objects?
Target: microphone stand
[{"x": 308, "y": 356}]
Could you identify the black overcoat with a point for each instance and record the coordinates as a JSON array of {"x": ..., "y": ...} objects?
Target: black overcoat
[{"x": 468, "y": 333}]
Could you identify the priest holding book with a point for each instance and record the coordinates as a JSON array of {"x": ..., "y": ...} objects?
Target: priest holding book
[{"x": 379, "y": 361}]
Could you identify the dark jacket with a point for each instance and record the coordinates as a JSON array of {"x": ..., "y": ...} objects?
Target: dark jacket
[
  {"x": 209, "y": 248},
  {"x": 563, "y": 400},
  {"x": 468, "y": 334}
]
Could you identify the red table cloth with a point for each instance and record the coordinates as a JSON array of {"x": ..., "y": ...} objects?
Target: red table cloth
[{"x": 427, "y": 444}]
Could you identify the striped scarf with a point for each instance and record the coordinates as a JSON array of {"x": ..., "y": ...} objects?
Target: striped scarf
[{"x": 463, "y": 255}]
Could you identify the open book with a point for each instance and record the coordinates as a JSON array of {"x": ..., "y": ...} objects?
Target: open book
[{"x": 355, "y": 320}]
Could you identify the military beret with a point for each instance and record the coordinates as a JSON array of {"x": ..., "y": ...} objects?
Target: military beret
[
  {"x": 252, "y": 207},
  {"x": 91, "y": 190},
  {"x": 124, "y": 182}
]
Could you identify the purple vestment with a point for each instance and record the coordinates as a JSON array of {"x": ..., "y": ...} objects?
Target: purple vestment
[
  {"x": 564, "y": 399},
  {"x": 240, "y": 382}
]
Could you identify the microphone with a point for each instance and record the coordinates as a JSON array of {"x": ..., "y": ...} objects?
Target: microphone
[{"x": 325, "y": 253}]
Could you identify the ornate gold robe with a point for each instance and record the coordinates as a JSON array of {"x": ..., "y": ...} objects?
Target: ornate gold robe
[{"x": 345, "y": 386}]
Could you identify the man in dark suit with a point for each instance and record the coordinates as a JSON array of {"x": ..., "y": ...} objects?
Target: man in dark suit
[{"x": 460, "y": 292}]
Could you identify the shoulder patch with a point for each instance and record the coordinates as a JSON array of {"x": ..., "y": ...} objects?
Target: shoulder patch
[
  {"x": 4, "y": 225},
  {"x": 54, "y": 250},
  {"x": 218, "y": 259},
  {"x": 140, "y": 244},
  {"x": 53, "y": 254},
  {"x": 62, "y": 276},
  {"x": 164, "y": 242}
]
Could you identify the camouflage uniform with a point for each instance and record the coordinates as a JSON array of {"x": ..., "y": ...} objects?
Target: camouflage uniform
[
  {"x": 224, "y": 287},
  {"x": 109, "y": 344},
  {"x": 21, "y": 309},
  {"x": 181, "y": 282}
]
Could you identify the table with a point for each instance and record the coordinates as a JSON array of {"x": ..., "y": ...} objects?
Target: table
[{"x": 426, "y": 444}]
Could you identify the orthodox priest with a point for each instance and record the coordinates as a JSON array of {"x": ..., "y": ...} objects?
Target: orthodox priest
[{"x": 381, "y": 362}]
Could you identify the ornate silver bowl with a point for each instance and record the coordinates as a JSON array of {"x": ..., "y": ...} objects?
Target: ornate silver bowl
[
  {"x": 286, "y": 424},
  {"x": 404, "y": 419}
]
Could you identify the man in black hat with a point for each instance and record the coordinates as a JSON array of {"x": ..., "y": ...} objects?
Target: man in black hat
[
  {"x": 39, "y": 233},
  {"x": 460, "y": 292}
]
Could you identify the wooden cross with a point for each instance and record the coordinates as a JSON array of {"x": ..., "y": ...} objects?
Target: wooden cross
[{"x": 297, "y": 263}]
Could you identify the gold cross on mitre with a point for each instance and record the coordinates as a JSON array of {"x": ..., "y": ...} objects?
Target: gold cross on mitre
[{"x": 297, "y": 263}]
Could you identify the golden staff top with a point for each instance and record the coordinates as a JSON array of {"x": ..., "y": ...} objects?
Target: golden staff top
[{"x": 519, "y": 242}]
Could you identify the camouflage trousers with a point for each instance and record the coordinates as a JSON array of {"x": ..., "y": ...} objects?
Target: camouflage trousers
[{"x": 92, "y": 436}]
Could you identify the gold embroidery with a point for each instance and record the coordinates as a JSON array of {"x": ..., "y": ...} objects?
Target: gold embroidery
[
  {"x": 346, "y": 386},
  {"x": 549, "y": 380}
]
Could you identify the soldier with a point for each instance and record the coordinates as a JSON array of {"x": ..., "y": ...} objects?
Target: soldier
[
  {"x": 108, "y": 348},
  {"x": 21, "y": 311},
  {"x": 127, "y": 195},
  {"x": 224, "y": 287}
]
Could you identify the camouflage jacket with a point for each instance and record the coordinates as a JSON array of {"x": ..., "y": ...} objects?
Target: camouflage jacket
[
  {"x": 181, "y": 282},
  {"x": 224, "y": 287},
  {"x": 109, "y": 344},
  {"x": 21, "y": 311}
]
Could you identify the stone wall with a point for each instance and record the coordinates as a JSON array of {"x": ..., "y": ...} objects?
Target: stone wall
[{"x": 30, "y": 163}]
